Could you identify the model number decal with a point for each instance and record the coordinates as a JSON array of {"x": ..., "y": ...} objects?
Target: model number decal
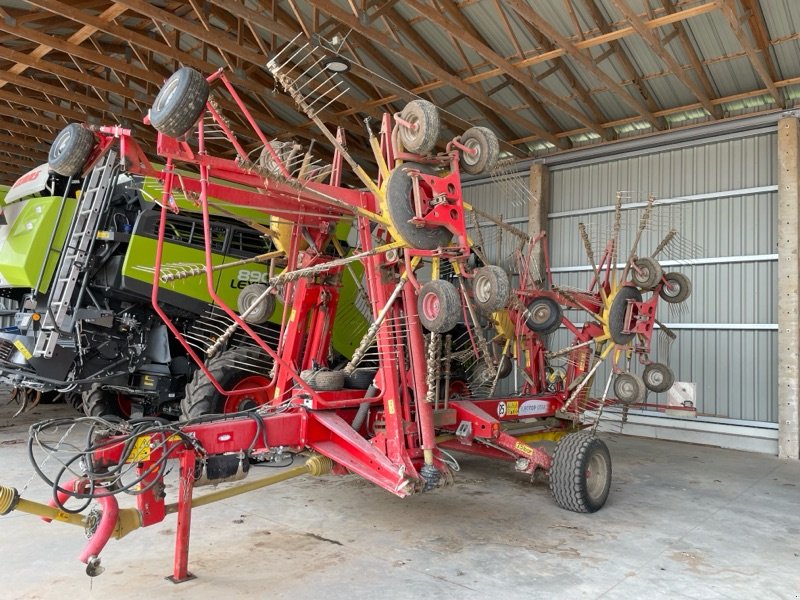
[{"x": 247, "y": 276}]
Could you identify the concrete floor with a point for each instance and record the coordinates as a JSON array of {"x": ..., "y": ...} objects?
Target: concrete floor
[{"x": 682, "y": 521}]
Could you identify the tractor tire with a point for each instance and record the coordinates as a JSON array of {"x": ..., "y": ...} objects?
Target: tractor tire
[
  {"x": 202, "y": 398},
  {"x": 649, "y": 273},
  {"x": 491, "y": 289},
  {"x": 180, "y": 103},
  {"x": 616, "y": 314},
  {"x": 677, "y": 289},
  {"x": 425, "y": 116},
  {"x": 580, "y": 476},
  {"x": 439, "y": 306},
  {"x": 487, "y": 150},
  {"x": 543, "y": 316},
  {"x": 400, "y": 208},
  {"x": 98, "y": 402},
  {"x": 70, "y": 149},
  {"x": 658, "y": 377},
  {"x": 261, "y": 313},
  {"x": 360, "y": 379},
  {"x": 629, "y": 388},
  {"x": 323, "y": 380}
]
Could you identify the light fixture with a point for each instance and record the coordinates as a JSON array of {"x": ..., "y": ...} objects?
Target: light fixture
[{"x": 336, "y": 64}]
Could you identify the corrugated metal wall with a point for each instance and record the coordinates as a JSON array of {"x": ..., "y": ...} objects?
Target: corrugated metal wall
[{"x": 721, "y": 196}]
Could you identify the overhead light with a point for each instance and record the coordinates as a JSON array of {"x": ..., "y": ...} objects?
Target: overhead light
[{"x": 336, "y": 64}]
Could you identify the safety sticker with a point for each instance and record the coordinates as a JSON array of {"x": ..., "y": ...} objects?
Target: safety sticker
[
  {"x": 23, "y": 350},
  {"x": 140, "y": 451}
]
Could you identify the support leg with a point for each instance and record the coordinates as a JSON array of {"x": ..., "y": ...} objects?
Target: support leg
[{"x": 180, "y": 569}]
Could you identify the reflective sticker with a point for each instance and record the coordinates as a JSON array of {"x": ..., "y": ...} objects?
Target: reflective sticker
[
  {"x": 390, "y": 406},
  {"x": 501, "y": 409},
  {"x": 523, "y": 449},
  {"x": 512, "y": 408},
  {"x": 140, "y": 451},
  {"x": 23, "y": 350}
]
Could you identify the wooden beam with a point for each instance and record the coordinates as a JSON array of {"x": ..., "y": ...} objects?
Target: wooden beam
[
  {"x": 757, "y": 58},
  {"x": 758, "y": 27},
  {"x": 694, "y": 59},
  {"x": 414, "y": 58},
  {"x": 526, "y": 12},
  {"x": 655, "y": 44}
]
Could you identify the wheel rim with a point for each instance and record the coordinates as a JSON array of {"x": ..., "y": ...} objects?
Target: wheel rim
[
  {"x": 410, "y": 134},
  {"x": 655, "y": 378},
  {"x": 167, "y": 93},
  {"x": 63, "y": 142},
  {"x": 459, "y": 389},
  {"x": 596, "y": 475},
  {"x": 643, "y": 274},
  {"x": 541, "y": 313},
  {"x": 239, "y": 402},
  {"x": 430, "y": 306},
  {"x": 125, "y": 406},
  {"x": 474, "y": 158},
  {"x": 672, "y": 288},
  {"x": 626, "y": 388},
  {"x": 483, "y": 289}
]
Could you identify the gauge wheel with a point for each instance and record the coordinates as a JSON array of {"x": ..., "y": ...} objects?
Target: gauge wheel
[
  {"x": 180, "y": 103},
  {"x": 400, "y": 208},
  {"x": 646, "y": 272},
  {"x": 484, "y": 147},
  {"x": 70, "y": 150},
  {"x": 619, "y": 309},
  {"x": 490, "y": 288},
  {"x": 439, "y": 306},
  {"x": 629, "y": 388},
  {"x": 658, "y": 377},
  {"x": 249, "y": 295},
  {"x": 580, "y": 476},
  {"x": 425, "y": 116},
  {"x": 677, "y": 289},
  {"x": 543, "y": 315}
]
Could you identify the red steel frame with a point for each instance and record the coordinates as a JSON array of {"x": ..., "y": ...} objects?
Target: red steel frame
[{"x": 393, "y": 454}]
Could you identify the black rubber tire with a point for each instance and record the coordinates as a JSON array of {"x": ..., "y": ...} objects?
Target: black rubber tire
[
  {"x": 70, "y": 149},
  {"x": 202, "y": 398},
  {"x": 629, "y": 388},
  {"x": 651, "y": 272},
  {"x": 616, "y": 315},
  {"x": 580, "y": 476},
  {"x": 426, "y": 116},
  {"x": 400, "y": 206},
  {"x": 490, "y": 289},
  {"x": 487, "y": 146},
  {"x": 658, "y": 377},
  {"x": 360, "y": 379},
  {"x": 98, "y": 402},
  {"x": 544, "y": 315},
  {"x": 323, "y": 380},
  {"x": 504, "y": 367},
  {"x": 180, "y": 103},
  {"x": 263, "y": 311},
  {"x": 439, "y": 306},
  {"x": 676, "y": 295}
]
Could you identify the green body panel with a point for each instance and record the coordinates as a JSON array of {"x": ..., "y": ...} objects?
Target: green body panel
[{"x": 22, "y": 252}]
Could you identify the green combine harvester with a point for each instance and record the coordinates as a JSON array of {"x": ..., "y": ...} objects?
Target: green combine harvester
[{"x": 77, "y": 261}]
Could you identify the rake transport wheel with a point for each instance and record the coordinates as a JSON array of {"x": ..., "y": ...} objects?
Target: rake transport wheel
[
  {"x": 618, "y": 311},
  {"x": 400, "y": 209},
  {"x": 543, "y": 316},
  {"x": 658, "y": 377},
  {"x": 677, "y": 288},
  {"x": 202, "y": 398},
  {"x": 491, "y": 288},
  {"x": 422, "y": 138},
  {"x": 580, "y": 477},
  {"x": 646, "y": 272},
  {"x": 180, "y": 103},
  {"x": 249, "y": 296},
  {"x": 70, "y": 149},
  {"x": 361, "y": 378},
  {"x": 486, "y": 147},
  {"x": 629, "y": 388},
  {"x": 439, "y": 306},
  {"x": 98, "y": 402}
]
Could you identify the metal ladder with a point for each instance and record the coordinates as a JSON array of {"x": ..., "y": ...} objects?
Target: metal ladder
[{"x": 77, "y": 248}]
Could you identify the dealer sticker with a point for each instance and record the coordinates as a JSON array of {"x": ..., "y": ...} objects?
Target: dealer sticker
[{"x": 534, "y": 407}]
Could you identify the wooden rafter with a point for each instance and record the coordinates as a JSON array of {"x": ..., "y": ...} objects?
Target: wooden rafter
[
  {"x": 758, "y": 58},
  {"x": 652, "y": 39}
]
